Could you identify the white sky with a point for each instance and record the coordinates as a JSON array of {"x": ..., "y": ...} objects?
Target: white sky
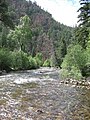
[{"x": 63, "y": 11}]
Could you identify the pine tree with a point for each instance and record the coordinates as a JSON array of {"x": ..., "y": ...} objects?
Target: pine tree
[
  {"x": 84, "y": 16},
  {"x": 84, "y": 19},
  {"x": 4, "y": 15}
]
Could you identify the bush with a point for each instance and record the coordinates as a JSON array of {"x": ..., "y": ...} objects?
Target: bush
[
  {"x": 25, "y": 60},
  {"x": 47, "y": 63},
  {"x": 32, "y": 63},
  {"x": 16, "y": 60},
  {"x": 64, "y": 73},
  {"x": 39, "y": 59},
  {"x": 74, "y": 73},
  {"x": 20, "y": 60},
  {"x": 5, "y": 59},
  {"x": 86, "y": 69},
  {"x": 75, "y": 57},
  {"x": 74, "y": 61}
]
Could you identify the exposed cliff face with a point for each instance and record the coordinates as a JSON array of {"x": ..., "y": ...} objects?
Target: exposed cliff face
[{"x": 47, "y": 33}]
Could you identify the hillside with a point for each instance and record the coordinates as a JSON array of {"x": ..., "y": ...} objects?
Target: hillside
[{"x": 49, "y": 37}]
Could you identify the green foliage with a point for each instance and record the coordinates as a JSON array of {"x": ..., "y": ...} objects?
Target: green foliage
[
  {"x": 84, "y": 12},
  {"x": 21, "y": 36},
  {"x": 39, "y": 59},
  {"x": 82, "y": 33},
  {"x": 39, "y": 56},
  {"x": 32, "y": 63},
  {"x": 74, "y": 73},
  {"x": 19, "y": 60},
  {"x": 47, "y": 34},
  {"x": 25, "y": 60},
  {"x": 12, "y": 41},
  {"x": 75, "y": 61},
  {"x": 3, "y": 36},
  {"x": 62, "y": 37},
  {"x": 4, "y": 15},
  {"x": 42, "y": 34},
  {"x": 47, "y": 63},
  {"x": 5, "y": 59},
  {"x": 75, "y": 57},
  {"x": 86, "y": 69},
  {"x": 88, "y": 50}
]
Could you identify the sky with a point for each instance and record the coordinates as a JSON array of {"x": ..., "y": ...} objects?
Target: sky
[{"x": 63, "y": 11}]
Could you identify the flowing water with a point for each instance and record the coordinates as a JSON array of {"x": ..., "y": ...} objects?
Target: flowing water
[{"x": 39, "y": 95}]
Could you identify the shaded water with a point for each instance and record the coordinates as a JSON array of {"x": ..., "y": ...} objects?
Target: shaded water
[{"x": 39, "y": 95}]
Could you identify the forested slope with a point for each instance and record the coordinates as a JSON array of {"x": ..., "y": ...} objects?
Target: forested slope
[{"x": 48, "y": 36}]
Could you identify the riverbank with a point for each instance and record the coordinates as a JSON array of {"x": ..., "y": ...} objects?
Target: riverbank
[{"x": 81, "y": 83}]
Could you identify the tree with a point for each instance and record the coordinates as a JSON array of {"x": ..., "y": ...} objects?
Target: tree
[
  {"x": 84, "y": 16},
  {"x": 74, "y": 62},
  {"x": 20, "y": 38},
  {"x": 84, "y": 19},
  {"x": 3, "y": 36},
  {"x": 4, "y": 15}
]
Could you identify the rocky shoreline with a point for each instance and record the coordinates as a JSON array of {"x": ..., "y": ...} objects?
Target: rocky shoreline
[{"x": 70, "y": 81}]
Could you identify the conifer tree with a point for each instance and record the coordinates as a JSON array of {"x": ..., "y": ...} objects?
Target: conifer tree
[
  {"x": 4, "y": 15},
  {"x": 84, "y": 19}
]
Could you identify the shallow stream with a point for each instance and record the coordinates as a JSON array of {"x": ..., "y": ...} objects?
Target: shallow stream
[{"x": 39, "y": 95}]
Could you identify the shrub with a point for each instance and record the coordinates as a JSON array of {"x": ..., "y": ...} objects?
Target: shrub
[
  {"x": 86, "y": 69},
  {"x": 39, "y": 59},
  {"x": 25, "y": 60},
  {"x": 74, "y": 73},
  {"x": 74, "y": 61},
  {"x": 64, "y": 73},
  {"x": 16, "y": 60},
  {"x": 32, "y": 63},
  {"x": 5, "y": 59},
  {"x": 47, "y": 63},
  {"x": 75, "y": 57},
  {"x": 20, "y": 60}
]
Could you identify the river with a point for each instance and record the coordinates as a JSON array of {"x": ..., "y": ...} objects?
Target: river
[{"x": 39, "y": 95}]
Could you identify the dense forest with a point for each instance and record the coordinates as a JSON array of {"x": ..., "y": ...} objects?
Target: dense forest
[{"x": 30, "y": 38}]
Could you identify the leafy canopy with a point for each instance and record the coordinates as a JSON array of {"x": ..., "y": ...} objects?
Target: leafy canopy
[{"x": 21, "y": 36}]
